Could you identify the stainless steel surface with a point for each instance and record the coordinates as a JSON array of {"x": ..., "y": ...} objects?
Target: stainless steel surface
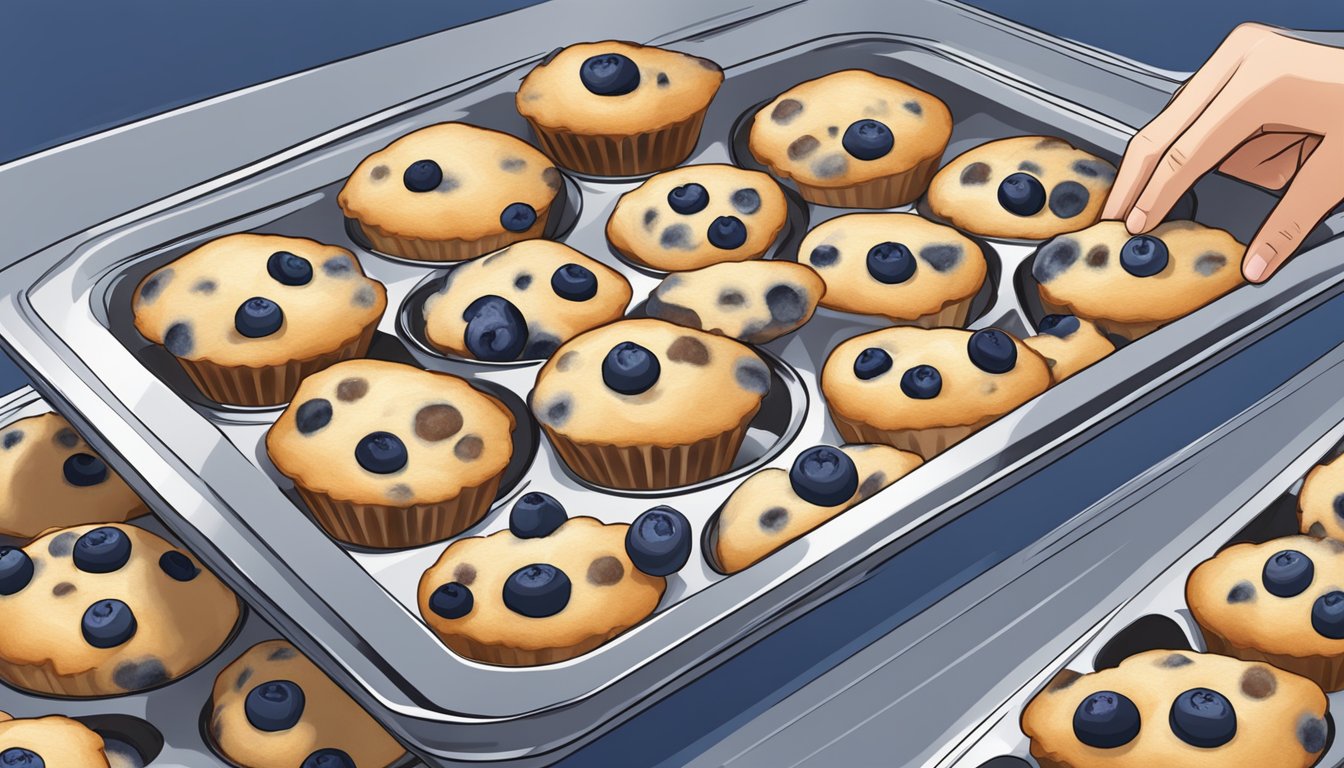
[{"x": 199, "y": 465}]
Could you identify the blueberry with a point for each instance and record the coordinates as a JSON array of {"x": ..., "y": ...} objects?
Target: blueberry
[
  {"x": 496, "y": 330},
  {"x": 83, "y": 470},
  {"x": 452, "y": 600},
  {"x": 1203, "y": 718},
  {"x": 535, "y": 515},
  {"x": 923, "y": 382},
  {"x": 328, "y": 758},
  {"x": 1288, "y": 573},
  {"x": 867, "y": 139},
  {"x": 312, "y": 415},
  {"x": 518, "y": 217},
  {"x": 1021, "y": 194},
  {"x": 658, "y": 542},
  {"x": 289, "y": 269},
  {"x": 381, "y": 452},
  {"x": 630, "y": 369},
  {"x": 258, "y": 317},
  {"x": 727, "y": 232},
  {"x": 609, "y": 74},
  {"x": 1144, "y": 256},
  {"x": 574, "y": 282},
  {"x": 102, "y": 550},
  {"x": 1327, "y": 615},
  {"x": 688, "y": 198},
  {"x": 824, "y": 475},
  {"x": 537, "y": 591},
  {"x": 178, "y": 566},
  {"x": 992, "y": 350},
  {"x": 1062, "y": 326},
  {"x": 422, "y": 176},
  {"x": 108, "y": 623},
  {"x": 274, "y": 706},
  {"x": 891, "y": 263},
  {"x": 16, "y": 570},
  {"x": 1106, "y": 720},
  {"x": 21, "y": 758},
  {"x": 871, "y": 363}
]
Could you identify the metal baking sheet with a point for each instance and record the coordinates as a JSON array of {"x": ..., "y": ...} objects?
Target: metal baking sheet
[
  {"x": 333, "y": 598},
  {"x": 1157, "y": 617}
]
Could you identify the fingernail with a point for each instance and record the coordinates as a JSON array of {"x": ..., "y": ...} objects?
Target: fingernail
[
  {"x": 1255, "y": 267},
  {"x": 1136, "y": 221}
]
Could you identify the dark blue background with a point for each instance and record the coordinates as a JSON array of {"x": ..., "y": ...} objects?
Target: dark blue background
[{"x": 76, "y": 68}]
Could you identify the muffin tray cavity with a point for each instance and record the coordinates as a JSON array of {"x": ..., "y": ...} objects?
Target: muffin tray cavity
[{"x": 203, "y": 466}]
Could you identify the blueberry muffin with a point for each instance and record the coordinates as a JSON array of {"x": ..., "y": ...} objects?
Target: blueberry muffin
[
  {"x": 1320, "y": 510},
  {"x": 248, "y": 316},
  {"x": 1132, "y": 285},
  {"x": 1279, "y": 602},
  {"x": 53, "y": 479},
  {"x": 896, "y": 265},
  {"x": 550, "y": 588},
  {"x": 924, "y": 390},
  {"x": 49, "y": 742},
  {"x": 1177, "y": 708},
  {"x": 617, "y": 108},
  {"x": 387, "y": 455},
  {"x": 1028, "y": 187},
  {"x": 853, "y": 139},
  {"x": 273, "y": 708},
  {"x": 699, "y": 215},
  {"x": 775, "y": 506},
  {"x": 451, "y": 192},
  {"x": 1068, "y": 345},
  {"x": 645, "y": 404},
  {"x": 523, "y": 302},
  {"x": 751, "y": 301},
  {"x": 107, "y": 610}
]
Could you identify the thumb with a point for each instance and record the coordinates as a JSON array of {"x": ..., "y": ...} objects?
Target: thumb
[{"x": 1312, "y": 193}]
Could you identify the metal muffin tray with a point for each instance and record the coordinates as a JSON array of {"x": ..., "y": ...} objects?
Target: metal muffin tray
[
  {"x": 1157, "y": 617},
  {"x": 204, "y": 467}
]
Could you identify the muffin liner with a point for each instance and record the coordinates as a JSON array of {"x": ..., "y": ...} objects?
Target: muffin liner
[
  {"x": 1325, "y": 671},
  {"x": 271, "y": 385},
  {"x": 618, "y": 155},
  {"x": 952, "y": 315},
  {"x": 385, "y": 527},
  {"x": 507, "y": 656},
  {"x": 448, "y": 250},
  {"x": 652, "y": 467},
  {"x": 43, "y": 678},
  {"x": 885, "y": 192},
  {"x": 926, "y": 442}
]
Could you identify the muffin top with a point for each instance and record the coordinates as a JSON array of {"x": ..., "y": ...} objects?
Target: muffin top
[
  {"x": 616, "y": 88},
  {"x": 375, "y": 432},
  {"x": 452, "y": 181},
  {"x": 53, "y": 479},
  {"x": 1178, "y": 708},
  {"x": 1103, "y": 273},
  {"x": 1068, "y": 345},
  {"x": 49, "y": 742},
  {"x": 849, "y": 127},
  {"x": 258, "y": 301},
  {"x": 1321, "y": 502},
  {"x": 751, "y": 301},
  {"x": 1030, "y": 187},
  {"x": 523, "y": 302},
  {"x": 648, "y": 382},
  {"x": 591, "y": 588},
  {"x": 897, "y": 265},
  {"x": 917, "y": 378},
  {"x": 1280, "y": 597},
  {"x": 115, "y": 601},
  {"x": 273, "y": 708},
  {"x": 697, "y": 215}
]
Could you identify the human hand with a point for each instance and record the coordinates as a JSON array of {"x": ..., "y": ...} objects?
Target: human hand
[{"x": 1265, "y": 108}]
